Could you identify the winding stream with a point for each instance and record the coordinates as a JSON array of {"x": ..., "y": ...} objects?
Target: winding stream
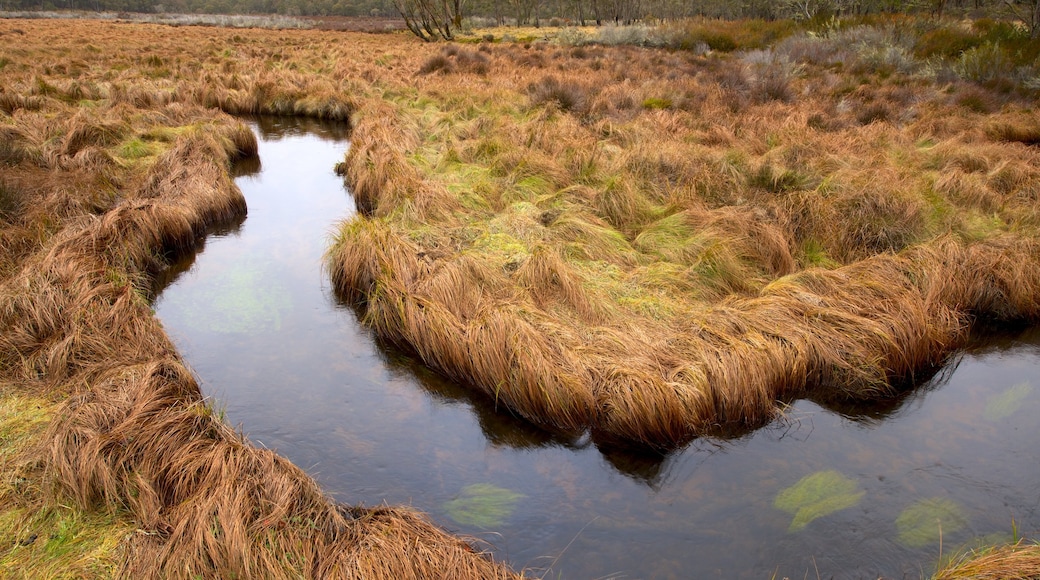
[{"x": 842, "y": 493}]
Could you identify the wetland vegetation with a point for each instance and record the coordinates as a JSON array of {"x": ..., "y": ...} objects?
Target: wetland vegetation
[{"x": 645, "y": 245}]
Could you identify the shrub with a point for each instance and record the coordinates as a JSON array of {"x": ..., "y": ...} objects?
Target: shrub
[
  {"x": 945, "y": 43},
  {"x": 571, "y": 37},
  {"x": 635, "y": 35},
  {"x": 769, "y": 75},
  {"x": 985, "y": 63}
]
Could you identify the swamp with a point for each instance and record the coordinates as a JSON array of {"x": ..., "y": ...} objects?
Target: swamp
[{"x": 284, "y": 303}]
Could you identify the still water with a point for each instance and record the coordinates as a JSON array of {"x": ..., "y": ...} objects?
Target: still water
[{"x": 829, "y": 493}]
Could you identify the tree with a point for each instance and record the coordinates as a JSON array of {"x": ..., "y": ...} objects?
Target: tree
[
  {"x": 431, "y": 19},
  {"x": 1028, "y": 11}
]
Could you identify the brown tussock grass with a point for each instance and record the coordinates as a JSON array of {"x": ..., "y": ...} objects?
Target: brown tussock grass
[
  {"x": 655, "y": 238},
  {"x": 1019, "y": 561},
  {"x": 102, "y": 194}
]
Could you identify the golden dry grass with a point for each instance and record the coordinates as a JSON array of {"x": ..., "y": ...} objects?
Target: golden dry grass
[
  {"x": 651, "y": 244},
  {"x": 1018, "y": 561},
  {"x": 115, "y": 159},
  {"x": 645, "y": 244}
]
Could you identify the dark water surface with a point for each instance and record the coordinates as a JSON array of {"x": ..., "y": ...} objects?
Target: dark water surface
[{"x": 256, "y": 319}]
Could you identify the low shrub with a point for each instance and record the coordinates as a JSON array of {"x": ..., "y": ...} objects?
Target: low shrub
[{"x": 986, "y": 63}]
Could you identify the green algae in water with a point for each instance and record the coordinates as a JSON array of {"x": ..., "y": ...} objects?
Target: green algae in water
[
  {"x": 1007, "y": 402},
  {"x": 924, "y": 522},
  {"x": 816, "y": 495},
  {"x": 483, "y": 505},
  {"x": 242, "y": 299}
]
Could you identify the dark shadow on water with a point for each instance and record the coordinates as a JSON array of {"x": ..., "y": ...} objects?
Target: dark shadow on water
[
  {"x": 246, "y": 167},
  {"x": 178, "y": 264},
  {"x": 499, "y": 425},
  {"x": 648, "y": 464},
  {"x": 274, "y": 128}
]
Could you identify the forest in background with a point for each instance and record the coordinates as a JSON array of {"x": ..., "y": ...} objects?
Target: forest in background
[{"x": 555, "y": 12}]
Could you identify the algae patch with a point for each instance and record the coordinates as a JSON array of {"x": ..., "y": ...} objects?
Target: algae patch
[
  {"x": 924, "y": 522},
  {"x": 239, "y": 300},
  {"x": 1007, "y": 402},
  {"x": 483, "y": 504},
  {"x": 816, "y": 495}
]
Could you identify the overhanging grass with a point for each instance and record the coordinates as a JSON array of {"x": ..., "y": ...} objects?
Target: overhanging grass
[{"x": 679, "y": 291}]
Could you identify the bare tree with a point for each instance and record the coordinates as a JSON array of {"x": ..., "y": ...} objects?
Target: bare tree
[
  {"x": 431, "y": 19},
  {"x": 1028, "y": 11}
]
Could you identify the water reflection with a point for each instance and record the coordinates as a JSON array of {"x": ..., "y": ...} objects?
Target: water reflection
[
  {"x": 306, "y": 378},
  {"x": 275, "y": 128}
]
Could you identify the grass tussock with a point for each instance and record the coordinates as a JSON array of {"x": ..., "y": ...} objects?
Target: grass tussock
[
  {"x": 681, "y": 240},
  {"x": 1017, "y": 561},
  {"x": 113, "y": 465}
]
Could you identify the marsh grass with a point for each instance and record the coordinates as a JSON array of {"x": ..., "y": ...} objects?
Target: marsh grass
[
  {"x": 105, "y": 180},
  {"x": 676, "y": 239},
  {"x": 526, "y": 226},
  {"x": 1016, "y": 561}
]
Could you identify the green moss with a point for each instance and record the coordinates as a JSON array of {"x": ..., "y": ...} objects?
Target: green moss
[
  {"x": 21, "y": 417},
  {"x": 926, "y": 521},
  {"x": 501, "y": 247},
  {"x": 54, "y": 542},
  {"x": 483, "y": 505},
  {"x": 1005, "y": 403},
  {"x": 817, "y": 495},
  {"x": 653, "y": 103},
  {"x": 975, "y": 226},
  {"x": 62, "y": 542},
  {"x": 135, "y": 149}
]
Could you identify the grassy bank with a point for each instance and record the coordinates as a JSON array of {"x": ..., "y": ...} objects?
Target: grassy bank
[
  {"x": 650, "y": 244},
  {"x": 115, "y": 157},
  {"x": 646, "y": 243}
]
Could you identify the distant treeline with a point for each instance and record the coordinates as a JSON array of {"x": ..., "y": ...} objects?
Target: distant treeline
[
  {"x": 541, "y": 11},
  {"x": 286, "y": 7}
]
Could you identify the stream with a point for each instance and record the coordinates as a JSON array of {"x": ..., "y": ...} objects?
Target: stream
[{"x": 843, "y": 492}]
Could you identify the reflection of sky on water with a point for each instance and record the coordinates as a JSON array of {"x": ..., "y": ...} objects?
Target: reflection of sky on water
[{"x": 372, "y": 426}]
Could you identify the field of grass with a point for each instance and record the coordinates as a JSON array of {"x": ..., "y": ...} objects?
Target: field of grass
[
  {"x": 646, "y": 243},
  {"x": 115, "y": 156},
  {"x": 652, "y": 244}
]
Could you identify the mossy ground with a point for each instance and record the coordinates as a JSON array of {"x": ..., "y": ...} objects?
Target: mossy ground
[{"x": 37, "y": 539}]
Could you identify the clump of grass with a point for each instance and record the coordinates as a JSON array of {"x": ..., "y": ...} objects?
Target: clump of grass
[
  {"x": 1024, "y": 130},
  {"x": 1017, "y": 561},
  {"x": 873, "y": 113},
  {"x": 437, "y": 63},
  {"x": 568, "y": 95}
]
